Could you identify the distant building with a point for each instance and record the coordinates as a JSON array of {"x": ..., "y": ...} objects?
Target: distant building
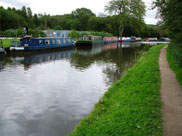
[{"x": 57, "y": 33}]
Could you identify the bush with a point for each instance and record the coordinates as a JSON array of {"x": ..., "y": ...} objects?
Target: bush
[
  {"x": 176, "y": 50},
  {"x": 74, "y": 34},
  {"x": 10, "y": 33},
  {"x": 36, "y": 33}
]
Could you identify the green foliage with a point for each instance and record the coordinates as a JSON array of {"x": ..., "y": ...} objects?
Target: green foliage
[
  {"x": 152, "y": 31},
  {"x": 100, "y": 34},
  {"x": 170, "y": 11},
  {"x": 19, "y": 33},
  {"x": 175, "y": 50},
  {"x": 10, "y": 19},
  {"x": 126, "y": 9},
  {"x": 132, "y": 106},
  {"x": 82, "y": 15},
  {"x": 74, "y": 34},
  {"x": 81, "y": 19},
  {"x": 58, "y": 27},
  {"x": 36, "y": 33},
  {"x": 175, "y": 63},
  {"x": 10, "y": 33}
]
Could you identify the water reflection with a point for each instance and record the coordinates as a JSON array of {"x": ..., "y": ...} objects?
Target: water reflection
[
  {"x": 47, "y": 94},
  {"x": 116, "y": 58}
]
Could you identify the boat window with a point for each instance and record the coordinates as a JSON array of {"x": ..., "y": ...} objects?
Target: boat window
[
  {"x": 53, "y": 42},
  {"x": 69, "y": 40},
  {"x": 47, "y": 42},
  {"x": 85, "y": 38},
  {"x": 40, "y": 42},
  {"x": 64, "y": 41},
  {"x": 58, "y": 41}
]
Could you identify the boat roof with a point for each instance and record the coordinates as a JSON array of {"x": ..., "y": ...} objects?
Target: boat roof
[{"x": 46, "y": 38}]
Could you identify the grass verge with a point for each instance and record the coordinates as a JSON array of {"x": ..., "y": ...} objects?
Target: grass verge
[
  {"x": 174, "y": 66},
  {"x": 7, "y": 42},
  {"x": 132, "y": 106}
]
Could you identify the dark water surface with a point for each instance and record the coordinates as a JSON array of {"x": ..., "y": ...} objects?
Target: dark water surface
[{"x": 47, "y": 94}]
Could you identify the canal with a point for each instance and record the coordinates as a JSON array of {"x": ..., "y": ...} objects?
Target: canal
[{"x": 47, "y": 94}]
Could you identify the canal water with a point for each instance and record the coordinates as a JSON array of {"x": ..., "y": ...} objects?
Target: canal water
[{"x": 47, "y": 94}]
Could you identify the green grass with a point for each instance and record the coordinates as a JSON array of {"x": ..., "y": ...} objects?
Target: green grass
[
  {"x": 132, "y": 106},
  {"x": 7, "y": 42},
  {"x": 174, "y": 66}
]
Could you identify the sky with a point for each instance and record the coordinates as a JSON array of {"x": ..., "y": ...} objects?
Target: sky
[{"x": 60, "y": 7}]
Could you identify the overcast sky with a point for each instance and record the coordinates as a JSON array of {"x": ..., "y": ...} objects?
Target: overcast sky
[{"x": 55, "y": 7}]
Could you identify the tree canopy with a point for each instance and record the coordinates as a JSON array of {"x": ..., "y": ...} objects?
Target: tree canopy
[
  {"x": 81, "y": 19},
  {"x": 171, "y": 13},
  {"x": 82, "y": 15},
  {"x": 126, "y": 9}
]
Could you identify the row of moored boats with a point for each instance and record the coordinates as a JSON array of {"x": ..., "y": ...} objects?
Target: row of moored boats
[{"x": 29, "y": 43}]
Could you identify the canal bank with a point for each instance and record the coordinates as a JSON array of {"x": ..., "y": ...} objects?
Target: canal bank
[{"x": 132, "y": 106}]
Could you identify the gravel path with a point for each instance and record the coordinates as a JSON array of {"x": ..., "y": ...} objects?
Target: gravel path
[{"x": 171, "y": 94}]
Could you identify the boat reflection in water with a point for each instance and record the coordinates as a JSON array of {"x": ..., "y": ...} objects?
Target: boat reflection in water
[
  {"x": 27, "y": 61},
  {"x": 129, "y": 44},
  {"x": 98, "y": 48},
  {"x": 115, "y": 58}
]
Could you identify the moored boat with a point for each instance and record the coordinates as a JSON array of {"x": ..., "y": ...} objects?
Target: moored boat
[
  {"x": 31, "y": 44},
  {"x": 110, "y": 39},
  {"x": 151, "y": 39},
  {"x": 125, "y": 39},
  {"x": 89, "y": 40},
  {"x": 165, "y": 39},
  {"x": 135, "y": 39}
]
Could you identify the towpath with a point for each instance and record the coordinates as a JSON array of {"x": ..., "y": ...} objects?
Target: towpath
[{"x": 171, "y": 94}]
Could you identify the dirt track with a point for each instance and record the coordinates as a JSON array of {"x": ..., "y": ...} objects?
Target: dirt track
[{"x": 171, "y": 94}]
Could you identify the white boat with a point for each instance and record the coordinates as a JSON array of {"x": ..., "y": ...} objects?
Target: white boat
[
  {"x": 138, "y": 39},
  {"x": 151, "y": 39},
  {"x": 2, "y": 50}
]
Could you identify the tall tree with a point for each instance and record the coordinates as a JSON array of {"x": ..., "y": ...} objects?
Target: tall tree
[
  {"x": 125, "y": 9},
  {"x": 29, "y": 12},
  {"x": 170, "y": 11},
  {"x": 83, "y": 15}
]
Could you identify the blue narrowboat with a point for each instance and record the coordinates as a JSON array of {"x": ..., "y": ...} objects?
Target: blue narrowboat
[{"x": 32, "y": 44}]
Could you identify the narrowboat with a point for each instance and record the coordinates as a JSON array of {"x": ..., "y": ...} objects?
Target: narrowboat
[
  {"x": 125, "y": 39},
  {"x": 110, "y": 39},
  {"x": 32, "y": 44},
  {"x": 89, "y": 40}
]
